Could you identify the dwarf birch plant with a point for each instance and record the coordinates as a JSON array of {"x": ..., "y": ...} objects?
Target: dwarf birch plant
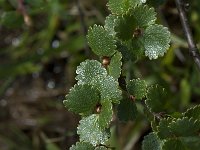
[{"x": 129, "y": 34}]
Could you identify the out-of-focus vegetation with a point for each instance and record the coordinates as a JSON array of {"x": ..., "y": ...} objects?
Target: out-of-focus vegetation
[{"x": 42, "y": 42}]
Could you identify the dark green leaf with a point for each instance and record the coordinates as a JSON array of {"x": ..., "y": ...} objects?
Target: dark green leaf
[
  {"x": 115, "y": 65},
  {"x": 193, "y": 112},
  {"x": 137, "y": 88},
  {"x": 151, "y": 142},
  {"x": 143, "y": 15},
  {"x": 173, "y": 144},
  {"x": 101, "y": 42},
  {"x": 163, "y": 130},
  {"x": 82, "y": 99},
  {"x": 185, "y": 127},
  {"x": 127, "y": 110},
  {"x": 125, "y": 27},
  {"x": 106, "y": 114},
  {"x": 156, "y": 98},
  {"x": 192, "y": 143}
]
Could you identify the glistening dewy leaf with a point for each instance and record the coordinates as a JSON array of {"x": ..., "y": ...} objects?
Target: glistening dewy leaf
[
  {"x": 143, "y": 15},
  {"x": 91, "y": 132},
  {"x": 100, "y": 41},
  {"x": 151, "y": 142},
  {"x": 155, "y": 39},
  {"x": 120, "y": 7},
  {"x": 82, "y": 146},
  {"x": 82, "y": 99},
  {"x": 91, "y": 72},
  {"x": 109, "y": 88},
  {"x": 88, "y": 70},
  {"x": 110, "y": 24}
]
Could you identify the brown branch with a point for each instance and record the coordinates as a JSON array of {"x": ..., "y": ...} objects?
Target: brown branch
[{"x": 181, "y": 6}]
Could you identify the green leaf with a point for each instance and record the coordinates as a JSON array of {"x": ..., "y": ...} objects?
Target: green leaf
[
  {"x": 82, "y": 99},
  {"x": 127, "y": 110},
  {"x": 151, "y": 142},
  {"x": 82, "y": 146},
  {"x": 100, "y": 41},
  {"x": 192, "y": 143},
  {"x": 131, "y": 49},
  {"x": 185, "y": 127},
  {"x": 131, "y": 24},
  {"x": 156, "y": 98},
  {"x": 11, "y": 19},
  {"x": 122, "y": 6},
  {"x": 164, "y": 131},
  {"x": 106, "y": 114},
  {"x": 91, "y": 72},
  {"x": 143, "y": 15},
  {"x": 125, "y": 27},
  {"x": 137, "y": 49},
  {"x": 114, "y": 68},
  {"x": 110, "y": 24},
  {"x": 88, "y": 70},
  {"x": 137, "y": 88},
  {"x": 101, "y": 148},
  {"x": 155, "y": 39},
  {"x": 173, "y": 144},
  {"x": 193, "y": 112},
  {"x": 109, "y": 88},
  {"x": 90, "y": 131}
]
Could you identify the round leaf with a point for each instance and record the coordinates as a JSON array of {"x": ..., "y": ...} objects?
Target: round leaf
[
  {"x": 156, "y": 98},
  {"x": 122, "y": 6},
  {"x": 82, "y": 99},
  {"x": 151, "y": 142},
  {"x": 88, "y": 70},
  {"x": 82, "y": 146},
  {"x": 137, "y": 88},
  {"x": 155, "y": 39},
  {"x": 91, "y": 132},
  {"x": 101, "y": 42}
]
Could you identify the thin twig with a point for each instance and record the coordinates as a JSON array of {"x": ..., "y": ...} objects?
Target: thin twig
[
  {"x": 181, "y": 6},
  {"x": 84, "y": 26}
]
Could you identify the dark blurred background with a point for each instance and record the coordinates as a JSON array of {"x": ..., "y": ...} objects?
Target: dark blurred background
[{"x": 42, "y": 42}]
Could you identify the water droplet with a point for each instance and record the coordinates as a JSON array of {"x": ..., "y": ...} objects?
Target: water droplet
[
  {"x": 51, "y": 84},
  {"x": 55, "y": 44}
]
